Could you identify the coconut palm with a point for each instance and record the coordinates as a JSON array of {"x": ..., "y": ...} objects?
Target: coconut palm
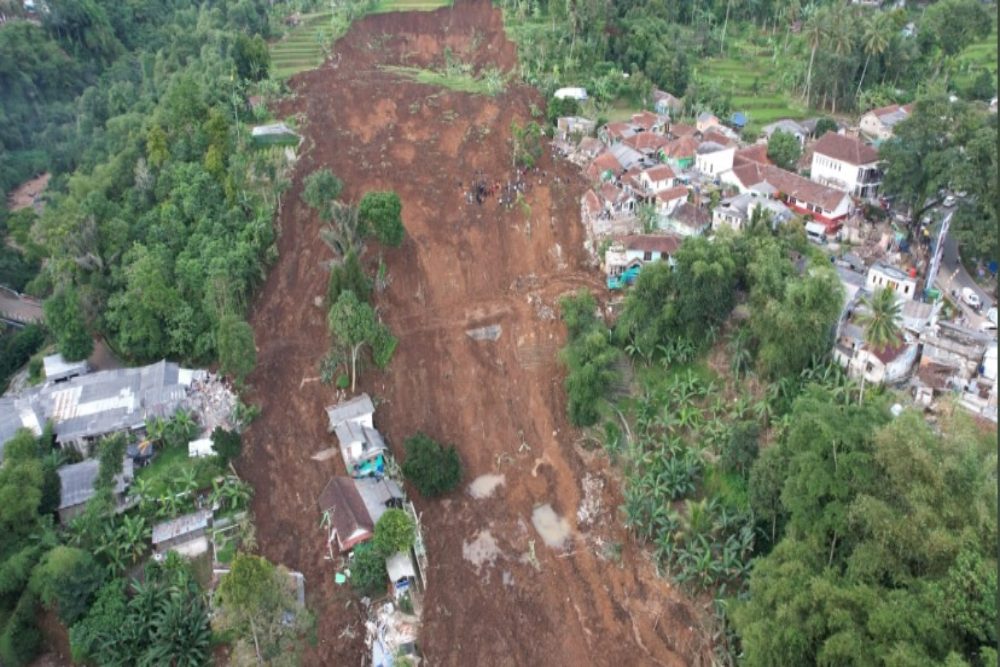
[
  {"x": 874, "y": 41},
  {"x": 814, "y": 31},
  {"x": 880, "y": 322}
]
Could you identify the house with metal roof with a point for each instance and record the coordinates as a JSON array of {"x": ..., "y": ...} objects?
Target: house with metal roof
[
  {"x": 77, "y": 482},
  {"x": 358, "y": 409},
  {"x": 184, "y": 534},
  {"x": 58, "y": 369},
  {"x": 87, "y": 407}
]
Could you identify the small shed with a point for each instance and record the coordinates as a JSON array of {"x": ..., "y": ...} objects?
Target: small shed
[
  {"x": 57, "y": 369},
  {"x": 275, "y": 134},
  {"x": 402, "y": 573},
  {"x": 571, "y": 93},
  {"x": 178, "y": 533},
  {"x": 200, "y": 448},
  {"x": 738, "y": 120}
]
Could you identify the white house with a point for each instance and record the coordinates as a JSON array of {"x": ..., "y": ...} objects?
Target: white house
[
  {"x": 737, "y": 211},
  {"x": 846, "y": 164},
  {"x": 666, "y": 104},
  {"x": 802, "y": 195},
  {"x": 712, "y": 158},
  {"x": 657, "y": 179},
  {"x": 668, "y": 200},
  {"x": 884, "y": 276},
  {"x": 632, "y": 252},
  {"x": 879, "y": 123}
]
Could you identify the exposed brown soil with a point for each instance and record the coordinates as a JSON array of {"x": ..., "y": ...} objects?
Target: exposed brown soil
[
  {"x": 24, "y": 195},
  {"x": 462, "y": 266}
]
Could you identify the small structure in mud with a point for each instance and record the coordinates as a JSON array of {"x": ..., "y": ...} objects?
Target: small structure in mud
[{"x": 361, "y": 445}]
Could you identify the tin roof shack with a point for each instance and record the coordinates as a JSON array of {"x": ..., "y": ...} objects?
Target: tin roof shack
[
  {"x": 87, "y": 407},
  {"x": 402, "y": 573},
  {"x": 77, "y": 486},
  {"x": 185, "y": 534},
  {"x": 345, "y": 514},
  {"x": 57, "y": 369},
  {"x": 379, "y": 495},
  {"x": 275, "y": 134}
]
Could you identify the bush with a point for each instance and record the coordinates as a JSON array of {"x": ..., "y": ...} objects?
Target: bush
[
  {"x": 20, "y": 639},
  {"x": 227, "y": 444},
  {"x": 68, "y": 578},
  {"x": 382, "y": 212},
  {"x": 433, "y": 469},
  {"x": 368, "y": 574},
  {"x": 394, "y": 532},
  {"x": 740, "y": 451},
  {"x": 320, "y": 191}
]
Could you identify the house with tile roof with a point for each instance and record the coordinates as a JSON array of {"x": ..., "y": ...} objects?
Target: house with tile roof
[
  {"x": 846, "y": 164},
  {"x": 824, "y": 204},
  {"x": 878, "y": 124}
]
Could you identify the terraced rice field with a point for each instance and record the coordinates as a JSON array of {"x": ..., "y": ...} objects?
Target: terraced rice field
[
  {"x": 736, "y": 75},
  {"x": 303, "y": 47},
  {"x": 974, "y": 59}
]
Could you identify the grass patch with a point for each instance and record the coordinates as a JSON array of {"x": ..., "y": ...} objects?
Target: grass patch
[
  {"x": 730, "y": 488},
  {"x": 488, "y": 83},
  {"x": 168, "y": 465},
  {"x": 386, "y": 6}
]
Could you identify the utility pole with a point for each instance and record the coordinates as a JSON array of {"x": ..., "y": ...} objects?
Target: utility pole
[{"x": 935, "y": 263}]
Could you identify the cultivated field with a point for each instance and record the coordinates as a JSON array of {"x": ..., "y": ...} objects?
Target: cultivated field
[{"x": 498, "y": 593}]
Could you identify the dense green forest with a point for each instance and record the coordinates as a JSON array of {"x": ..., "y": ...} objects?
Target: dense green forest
[
  {"x": 825, "y": 530},
  {"x": 158, "y": 219},
  {"x": 837, "y": 56}
]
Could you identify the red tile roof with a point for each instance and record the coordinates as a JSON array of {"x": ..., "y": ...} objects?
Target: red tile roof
[
  {"x": 751, "y": 173},
  {"x": 892, "y": 108},
  {"x": 645, "y": 119},
  {"x": 756, "y": 153},
  {"x": 690, "y": 215},
  {"x": 681, "y": 148},
  {"x": 600, "y": 164},
  {"x": 888, "y": 353},
  {"x": 682, "y": 130},
  {"x": 348, "y": 514},
  {"x": 646, "y": 142},
  {"x": 663, "y": 244},
  {"x": 846, "y": 149},
  {"x": 661, "y": 172},
  {"x": 618, "y": 130},
  {"x": 717, "y": 137},
  {"x": 673, "y": 194}
]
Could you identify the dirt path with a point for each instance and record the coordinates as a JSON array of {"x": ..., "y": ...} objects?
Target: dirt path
[{"x": 462, "y": 267}]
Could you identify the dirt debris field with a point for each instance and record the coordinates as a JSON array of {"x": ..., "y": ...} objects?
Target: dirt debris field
[{"x": 526, "y": 569}]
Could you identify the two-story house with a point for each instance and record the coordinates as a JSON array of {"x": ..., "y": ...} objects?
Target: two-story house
[{"x": 847, "y": 164}]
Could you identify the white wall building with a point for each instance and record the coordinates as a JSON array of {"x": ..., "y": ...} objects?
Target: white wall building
[
  {"x": 883, "y": 275},
  {"x": 846, "y": 164}
]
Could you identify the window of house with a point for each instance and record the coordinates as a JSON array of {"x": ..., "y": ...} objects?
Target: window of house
[{"x": 647, "y": 256}]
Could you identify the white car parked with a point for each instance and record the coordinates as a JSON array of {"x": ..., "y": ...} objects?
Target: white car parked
[{"x": 970, "y": 298}]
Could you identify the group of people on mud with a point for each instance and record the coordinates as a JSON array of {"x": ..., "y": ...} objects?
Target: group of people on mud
[{"x": 482, "y": 189}]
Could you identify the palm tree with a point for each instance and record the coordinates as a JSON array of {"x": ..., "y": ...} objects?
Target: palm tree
[
  {"x": 344, "y": 232},
  {"x": 814, "y": 32},
  {"x": 840, "y": 33},
  {"x": 874, "y": 41},
  {"x": 880, "y": 322}
]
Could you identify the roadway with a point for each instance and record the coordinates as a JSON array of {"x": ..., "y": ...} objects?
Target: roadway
[{"x": 21, "y": 309}]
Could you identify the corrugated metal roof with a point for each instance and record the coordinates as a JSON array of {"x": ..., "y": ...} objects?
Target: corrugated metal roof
[
  {"x": 359, "y": 406},
  {"x": 77, "y": 481},
  {"x": 182, "y": 525}
]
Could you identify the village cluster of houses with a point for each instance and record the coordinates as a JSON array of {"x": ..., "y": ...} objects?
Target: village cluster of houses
[
  {"x": 651, "y": 168},
  {"x": 655, "y": 182},
  {"x": 934, "y": 357}
]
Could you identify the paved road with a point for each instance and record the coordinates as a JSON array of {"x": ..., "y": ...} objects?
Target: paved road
[
  {"x": 952, "y": 268},
  {"x": 20, "y": 309}
]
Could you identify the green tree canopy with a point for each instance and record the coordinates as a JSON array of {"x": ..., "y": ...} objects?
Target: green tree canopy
[
  {"x": 382, "y": 212},
  {"x": 355, "y": 326},
  {"x": 65, "y": 319},
  {"x": 67, "y": 579},
  {"x": 321, "y": 190},
  {"x": 394, "y": 531},
  {"x": 237, "y": 352},
  {"x": 432, "y": 468},
  {"x": 784, "y": 149}
]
